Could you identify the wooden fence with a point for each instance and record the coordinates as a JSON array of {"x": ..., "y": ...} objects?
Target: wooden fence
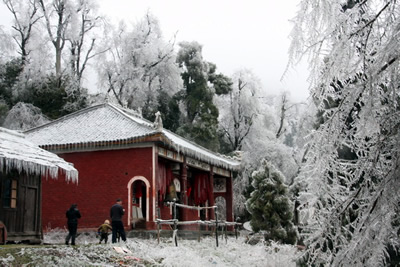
[{"x": 175, "y": 222}]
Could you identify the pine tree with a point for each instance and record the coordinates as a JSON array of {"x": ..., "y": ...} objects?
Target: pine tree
[
  {"x": 269, "y": 205},
  {"x": 9, "y": 72},
  {"x": 201, "y": 82}
]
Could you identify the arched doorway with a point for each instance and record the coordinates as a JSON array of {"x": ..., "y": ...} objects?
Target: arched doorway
[{"x": 138, "y": 195}]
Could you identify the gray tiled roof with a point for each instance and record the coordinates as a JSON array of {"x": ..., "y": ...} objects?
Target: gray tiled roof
[
  {"x": 98, "y": 123},
  {"x": 106, "y": 122}
]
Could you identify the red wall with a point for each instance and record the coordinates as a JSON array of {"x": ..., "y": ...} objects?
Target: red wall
[{"x": 103, "y": 177}]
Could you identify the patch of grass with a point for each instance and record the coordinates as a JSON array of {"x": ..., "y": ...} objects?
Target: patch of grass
[
  {"x": 18, "y": 255},
  {"x": 9, "y": 251}
]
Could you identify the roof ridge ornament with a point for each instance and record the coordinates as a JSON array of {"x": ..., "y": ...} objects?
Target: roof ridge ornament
[
  {"x": 158, "y": 124},
  {"x": 124, "y": 104}
]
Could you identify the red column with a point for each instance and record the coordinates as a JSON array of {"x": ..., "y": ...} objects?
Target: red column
[
  {"x": 184, "y": 182},
  {"x": 184, "y": 212},
  {"x": 211, "y": 199}
]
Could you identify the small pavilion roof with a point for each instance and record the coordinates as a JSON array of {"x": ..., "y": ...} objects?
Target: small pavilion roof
[
  {"x": 107, "y": 123},
  {"x": 16, "y": 152}
]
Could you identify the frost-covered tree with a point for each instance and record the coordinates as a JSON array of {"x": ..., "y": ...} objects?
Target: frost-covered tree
[
  {"x": 352, "y": 193},
  {"x": 269, "y": 205},
  {"x": 26, "y": 14},
  {"x": 261, "y": 143},
  {"x": 73, "y": 23},
  {"x": 139, "y": 66},
  {"x": 70, "y": 21},
  {"x": 57, "y": 14},
  {"x": 285, "y": 107},
  {"x": 25, "y": 32},
  {"x": 238, "y": 109},
  {"x": 82, "y": 38},
  {"x": 40, "y": 25},
  {"x": 24, "y": 116},
  {"x": 6, "y": 45}
]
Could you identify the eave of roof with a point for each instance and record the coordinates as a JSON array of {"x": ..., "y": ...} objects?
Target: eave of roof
[{"x": 16, "y": 152}]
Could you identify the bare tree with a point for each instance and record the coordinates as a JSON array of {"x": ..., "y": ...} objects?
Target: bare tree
[
  {"x": 25, "y": 15},
  {"x": 57, "y": 16},
  {"x": 81, "y": 49},
  {"x": 284, "y": 107}
]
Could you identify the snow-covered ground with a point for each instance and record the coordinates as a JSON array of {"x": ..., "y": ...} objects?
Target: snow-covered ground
[{"x": 147, "y": 252}]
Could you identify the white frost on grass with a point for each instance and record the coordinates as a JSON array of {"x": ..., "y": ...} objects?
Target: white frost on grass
[{"x": 147, "y": 252}]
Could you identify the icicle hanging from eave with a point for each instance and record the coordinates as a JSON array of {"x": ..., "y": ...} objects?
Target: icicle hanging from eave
[
  {"x": 32, "y": 168},
  {"x": 18, "y": 153},
  {"x": 71, "y": 174}
]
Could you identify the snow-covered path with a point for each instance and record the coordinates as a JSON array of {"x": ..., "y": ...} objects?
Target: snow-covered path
[{"x": 147, "y": 252}]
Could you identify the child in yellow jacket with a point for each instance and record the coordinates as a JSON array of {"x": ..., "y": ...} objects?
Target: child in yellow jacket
[{"x": 103, "y": 230}]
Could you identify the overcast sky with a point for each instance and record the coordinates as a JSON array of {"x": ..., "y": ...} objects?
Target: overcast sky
[{"x": 235, "y": 34}]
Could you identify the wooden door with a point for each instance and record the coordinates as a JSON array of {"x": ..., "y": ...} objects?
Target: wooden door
[{"x": 30, "y": 209}]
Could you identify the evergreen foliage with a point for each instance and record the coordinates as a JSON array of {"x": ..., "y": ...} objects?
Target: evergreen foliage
[
  {"x": 54, "y": 96},
  {"x": 3, "y": 111},
  {"x": 9, "y": 73},
  {"x": 50, "y": 97},
  {"x": 201, "y": 83},
  {"x": 168, "y": 107},
  {"x": 269, "y": 205}
]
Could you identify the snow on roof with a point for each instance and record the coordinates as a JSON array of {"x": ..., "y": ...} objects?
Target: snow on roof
[
  {"x": 200, "y": 153},
  {"x": 106, "y": 122},
  {"x": 16, "y": 152}
]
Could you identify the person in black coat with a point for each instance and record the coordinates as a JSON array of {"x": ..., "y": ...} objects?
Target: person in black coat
[
  {"x": 116, "y": 213},
  {"x": 73, "y": 215}
]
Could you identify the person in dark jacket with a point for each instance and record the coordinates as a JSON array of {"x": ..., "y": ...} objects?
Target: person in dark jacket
[
  {"x": 116, "y": 213},
  {"x": 73, "y": 215}
]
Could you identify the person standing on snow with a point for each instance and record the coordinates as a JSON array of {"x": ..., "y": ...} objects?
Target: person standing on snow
[
  {"x": 103, "y": 229},
  {"x": 73, "y": 215},
  {"x": 116, "y": 213}
]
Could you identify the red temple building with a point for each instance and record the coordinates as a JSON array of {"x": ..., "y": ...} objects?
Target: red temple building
[{"x": 120, "y": 155}]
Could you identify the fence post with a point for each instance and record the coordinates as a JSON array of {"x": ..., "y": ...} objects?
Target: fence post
[
  {"x": 237, "y": 226},
  {"x": 158, "y": 232},
  {"x": 226, "y": 233},
  {"x": 198, "y": 231},
  {"x": 175, "y": 226},
  {"x": 236, "y": 231},
  {"x": 216, "y": 225}
]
